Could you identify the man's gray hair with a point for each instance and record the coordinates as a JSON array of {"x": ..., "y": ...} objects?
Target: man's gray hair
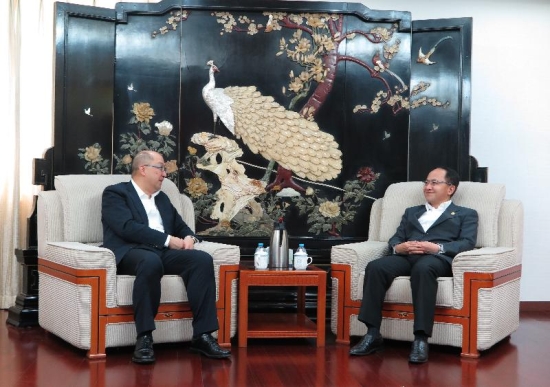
[{"x": 143, "y": 157}]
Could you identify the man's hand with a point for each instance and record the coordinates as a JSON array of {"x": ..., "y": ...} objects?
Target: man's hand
[
  {"x": 189, "y": 243},
  {"x": 186, "y": 243},
  {"x": 415, "y": 247}
]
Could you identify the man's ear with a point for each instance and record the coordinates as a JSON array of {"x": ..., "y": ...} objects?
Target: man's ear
[
  {"x": 142, "y": 170},
  {"x": 452, "y": 190}
]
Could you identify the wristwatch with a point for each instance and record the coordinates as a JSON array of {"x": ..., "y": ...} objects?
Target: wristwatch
[
  {"x": 195, "y": 240},
  {"x": 441, "y": 249}
]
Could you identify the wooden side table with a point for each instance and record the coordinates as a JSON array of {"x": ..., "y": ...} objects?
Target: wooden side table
[{"x": 282, "y": 325}]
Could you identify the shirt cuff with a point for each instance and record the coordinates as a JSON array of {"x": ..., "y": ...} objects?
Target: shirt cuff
[{"x": 167, "y": 243}]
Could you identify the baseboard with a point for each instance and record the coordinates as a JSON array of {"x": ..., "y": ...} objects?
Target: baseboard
[{"x": 534, "y": 306}]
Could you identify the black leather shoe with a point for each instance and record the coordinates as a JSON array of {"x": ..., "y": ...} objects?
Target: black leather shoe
[
  {"x": 208, "y": 346},
  {"x": 144, "y": 354},
  {"x": 368, "y": 344},
  {"x": 419, "y": 351}
]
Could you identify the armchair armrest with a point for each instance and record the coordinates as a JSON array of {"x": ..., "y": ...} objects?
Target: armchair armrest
[
  {"x": 80, "y": 256},
  {"x": 358, "y": 255},
  {"x": 486, "y": 260},
  {"x": 223, "y": 254}
]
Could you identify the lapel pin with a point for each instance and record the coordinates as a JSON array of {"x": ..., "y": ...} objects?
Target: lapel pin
[{"x": 452, "y": 213}]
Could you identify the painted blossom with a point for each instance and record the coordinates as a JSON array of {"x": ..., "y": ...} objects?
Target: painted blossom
[
  {"x": 92, "y": 153},
  {"x": 197, "y": 187},
  {"x": 164, "y": 128},
  {"x": 316, "y": 22},
  {"x": 296, "y": 85},
  {"x": 367, "y": 175},
  {"x": 329, "y": 209},
  {"x": 143, "y": 111},
  {"x": 171, "y": 166}
]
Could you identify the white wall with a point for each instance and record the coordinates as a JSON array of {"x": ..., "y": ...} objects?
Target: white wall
[{"x": 510, "y": 126}]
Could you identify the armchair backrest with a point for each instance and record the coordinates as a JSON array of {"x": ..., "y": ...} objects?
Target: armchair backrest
[
  {"x": 485, "y": 198},
  {"x": 72, "y": 213}
]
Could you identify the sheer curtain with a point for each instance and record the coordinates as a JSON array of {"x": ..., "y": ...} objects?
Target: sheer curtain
[
  {"x": 9, "y": 188},
  {"x": 26, "y": 97}
]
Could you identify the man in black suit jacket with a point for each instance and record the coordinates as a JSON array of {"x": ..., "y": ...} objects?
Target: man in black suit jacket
[
  {"x": 149, "y": 239},
  {"x": 423, "y": 246}
]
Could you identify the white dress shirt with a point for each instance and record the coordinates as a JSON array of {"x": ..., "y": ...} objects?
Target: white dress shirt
[
  {"x": 153, "y": 214},
  {"x": 429, "y": 217}
]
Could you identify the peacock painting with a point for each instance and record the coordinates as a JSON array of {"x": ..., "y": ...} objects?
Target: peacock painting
[{"x": 281, "y": 136}]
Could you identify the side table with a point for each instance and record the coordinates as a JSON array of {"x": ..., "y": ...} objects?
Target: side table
[{"x": 282, "y": 325}]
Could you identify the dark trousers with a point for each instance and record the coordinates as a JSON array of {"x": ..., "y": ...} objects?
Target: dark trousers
[
  {"x": 423, "y": 270},
  {"x": 195, "y": 268}
]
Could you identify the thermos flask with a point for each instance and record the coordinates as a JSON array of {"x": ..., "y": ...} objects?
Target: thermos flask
[{"x": 278, "y": 248}]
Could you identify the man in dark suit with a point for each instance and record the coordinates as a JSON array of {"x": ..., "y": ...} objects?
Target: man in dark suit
[
  {"x": 423, "y": 248},
  {"x": 149, "y": 239}
]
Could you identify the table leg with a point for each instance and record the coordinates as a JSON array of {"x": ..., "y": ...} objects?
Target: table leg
[
  {"x": 243, "y": 311},
  {"x": 321, "y": 309},
  {"x": 301, "y": 300}
]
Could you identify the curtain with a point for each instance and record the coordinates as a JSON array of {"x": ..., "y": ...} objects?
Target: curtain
[
  {"x": 9, "y": 190},
  {"x": 26, "y": 97}
]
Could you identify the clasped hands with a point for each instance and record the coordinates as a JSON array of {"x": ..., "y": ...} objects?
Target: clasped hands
[
  {"x": 416, "y": 247},
  {"x": 186, "y": 243}
]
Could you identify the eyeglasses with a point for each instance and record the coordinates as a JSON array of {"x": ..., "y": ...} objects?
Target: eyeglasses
[
  {"x": 161, "y": 168},
  {"x": 435, "y": 182}
]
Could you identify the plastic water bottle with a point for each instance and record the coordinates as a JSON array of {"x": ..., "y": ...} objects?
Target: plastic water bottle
[
  {"x": 301, "y": 249},
  {"x": 261, "y": 258},
  {"x": 260, "y": 248}
]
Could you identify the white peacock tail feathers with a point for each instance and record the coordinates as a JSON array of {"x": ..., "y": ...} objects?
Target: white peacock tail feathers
[{"x": 284, "y": 136}]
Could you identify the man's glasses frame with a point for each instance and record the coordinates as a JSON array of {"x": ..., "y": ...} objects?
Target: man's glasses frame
[
  {"x": 435, "y": 182},
  {"x": 161, "y": 168}
]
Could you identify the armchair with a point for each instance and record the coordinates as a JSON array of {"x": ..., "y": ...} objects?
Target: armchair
[
  {"x": 84, "y": 301},
  {"x": 475, "y": 308}
]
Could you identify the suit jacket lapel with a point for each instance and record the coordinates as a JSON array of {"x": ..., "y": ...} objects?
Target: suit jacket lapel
[
  {"x": 163, "y": 205},
  {"x": 134, "y": 198},
  {"x": 417, "y": 215},
  {"x": 446, "y": 214}
]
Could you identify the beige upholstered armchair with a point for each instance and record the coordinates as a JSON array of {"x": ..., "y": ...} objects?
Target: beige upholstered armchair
[
  {"x": 84, "y": 301},
  {"x": 476, "y": 308}
]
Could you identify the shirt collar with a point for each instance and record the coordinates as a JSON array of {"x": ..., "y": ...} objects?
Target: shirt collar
[
  {"x": 442, "y": 207},
  {"x": 141, "y": 194}
]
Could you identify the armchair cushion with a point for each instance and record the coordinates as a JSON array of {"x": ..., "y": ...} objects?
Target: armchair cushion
[{"x": 81, "y": 205}]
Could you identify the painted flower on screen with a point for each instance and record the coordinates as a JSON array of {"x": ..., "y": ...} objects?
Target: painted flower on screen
[
  {"x": 367, "y": 175},
  {"x": 171, "y": 166},
  {"x": 197, "y": 187},
  {"x": 95, "y": 163},
  {"x": 329, "y": 209},
  {"x": 92, "y": 153},
  {"x": 143, "y": 111},
  {"x": 164, "y": 128}
]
